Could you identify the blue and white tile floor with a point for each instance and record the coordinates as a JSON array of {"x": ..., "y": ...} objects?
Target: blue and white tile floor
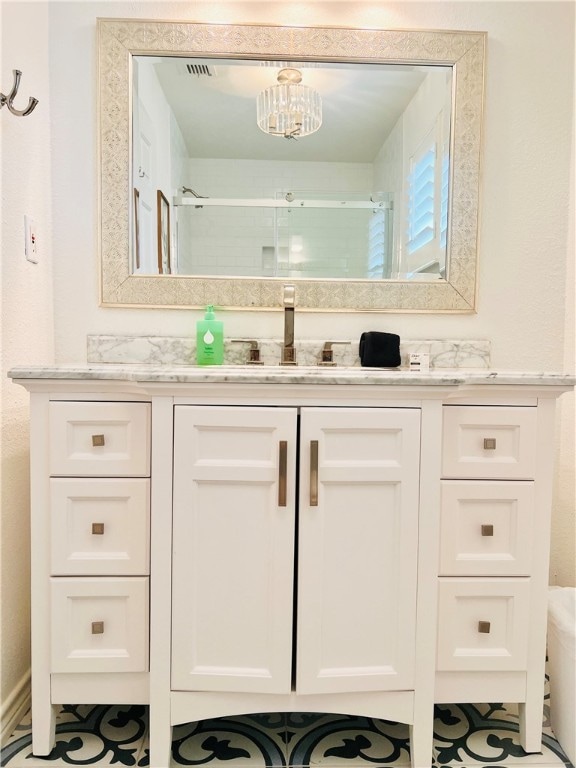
[{"x": 465, "y": 736}]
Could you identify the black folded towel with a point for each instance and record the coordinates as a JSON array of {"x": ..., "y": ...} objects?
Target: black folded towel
[{"x": 379, "y": 350}]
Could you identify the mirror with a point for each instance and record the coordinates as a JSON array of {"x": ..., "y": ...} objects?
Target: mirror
[
  {"x": 364, "y": 195},
  {"x": 201, "y": 204}
]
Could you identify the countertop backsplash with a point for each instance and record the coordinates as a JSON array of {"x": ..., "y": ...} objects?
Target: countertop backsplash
[{"x": 172, "y": 350}]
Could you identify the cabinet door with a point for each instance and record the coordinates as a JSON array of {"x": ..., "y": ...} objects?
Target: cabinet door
[
  {"x": 233, "y": 552},
  {"x": 357, "y": 549}
]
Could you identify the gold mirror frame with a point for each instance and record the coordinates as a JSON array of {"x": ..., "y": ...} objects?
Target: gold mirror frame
[{"x": 120, "y": 39}]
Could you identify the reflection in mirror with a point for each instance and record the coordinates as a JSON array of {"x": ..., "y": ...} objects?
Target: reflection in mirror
[{"x": 350, "y": 182}]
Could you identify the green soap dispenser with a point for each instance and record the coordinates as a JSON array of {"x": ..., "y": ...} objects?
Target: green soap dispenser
[{"x": 209, "y": 339}]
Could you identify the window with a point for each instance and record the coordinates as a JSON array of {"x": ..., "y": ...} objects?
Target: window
[{"x": 427, "y": 203}]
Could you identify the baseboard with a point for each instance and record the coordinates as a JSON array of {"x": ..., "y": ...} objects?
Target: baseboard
[{"x": 15, "y": 707}]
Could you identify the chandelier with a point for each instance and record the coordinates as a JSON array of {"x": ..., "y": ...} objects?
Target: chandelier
[{"x": 289, "y": 109}]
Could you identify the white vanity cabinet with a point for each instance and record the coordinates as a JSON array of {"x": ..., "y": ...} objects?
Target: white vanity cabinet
[
  {"x": 214, "y": 543},
  {"x": 253, "y": 487}
]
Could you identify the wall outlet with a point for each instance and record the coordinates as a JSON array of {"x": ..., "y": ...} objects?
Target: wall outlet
[{"x": 30, "y": 240}]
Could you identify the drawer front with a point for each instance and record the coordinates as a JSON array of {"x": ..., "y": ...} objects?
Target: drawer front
[
  {"x": 99, "y": 527},
  {"x": 486, "y": 528},
  {"x": 100, "y": 439},
  {"x": 482, "y": 624},
  {"x": 489, "y": 442},
  {"x": 99, "y": 625}
]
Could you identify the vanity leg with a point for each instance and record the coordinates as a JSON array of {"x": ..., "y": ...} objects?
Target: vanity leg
[
  {"x": 160, "y": 747},
  {"x": 421, "y": 739},
  {"x": 43, "y": 728},
  {"x": 530, "y": 714}
]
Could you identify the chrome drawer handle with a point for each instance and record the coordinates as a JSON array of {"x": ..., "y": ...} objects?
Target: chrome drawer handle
[
  {"x": 484, "y": 627},
  {"x": 97, "y": 440},
  {"x": 97, "y": 529},
  {"x": 97, "y": 627},
  {"x": 487, "y": 530},
  {"x": 489, "y": 443}
]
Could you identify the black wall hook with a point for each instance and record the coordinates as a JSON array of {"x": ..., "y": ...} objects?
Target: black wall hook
[{"x": 7, "y": 100}]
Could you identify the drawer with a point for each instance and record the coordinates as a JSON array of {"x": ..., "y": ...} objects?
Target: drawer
[
  {"x": 100, "y": 439},
  {"x": 99, "y": 526},
  {"x": 482, "y": 624},
  {"x": 489, "y": 442},
  {"x": 487, "y": 528},
  {"x": 99, "y": 625}
]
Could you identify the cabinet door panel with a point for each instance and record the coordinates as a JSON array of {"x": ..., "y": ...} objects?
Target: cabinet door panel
[
  {"x": 357, "y": 550},
  {"x": 233, "y": 550}
]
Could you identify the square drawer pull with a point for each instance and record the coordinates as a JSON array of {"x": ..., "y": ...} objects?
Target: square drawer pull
[
  {"x": 489, "y": 443},
  {"x": 98, "y": 529},
  {"x": 484, "y": 627},
  {"x": 487, "y": 530},
  {"x": 97, "y": 627},
  {"x": 98, "y": 440}
]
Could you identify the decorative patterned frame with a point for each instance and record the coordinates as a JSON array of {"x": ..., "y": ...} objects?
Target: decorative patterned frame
[{"x": 120, "y": 39}]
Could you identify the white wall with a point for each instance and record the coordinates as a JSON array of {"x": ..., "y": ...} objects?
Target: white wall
[
  {"x": 524, "y": 255},
  {"x": 26, "y": 314}
]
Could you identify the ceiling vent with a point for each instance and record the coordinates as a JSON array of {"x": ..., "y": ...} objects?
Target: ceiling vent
[{"x": 200, "y": 70}]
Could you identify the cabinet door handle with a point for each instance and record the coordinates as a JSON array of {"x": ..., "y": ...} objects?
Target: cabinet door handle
[
  {"x": 487, "y": 530},
  {"x": 313, "y": 473},
  {"x": 282, "y": 472},
  {"x": 97, "y": 529},
  {"x": 489, "y": 443},
  {"x": 98, "y": 440},
  {"x": 484, "y": 627},
  {"x": 97, "y": 627}
]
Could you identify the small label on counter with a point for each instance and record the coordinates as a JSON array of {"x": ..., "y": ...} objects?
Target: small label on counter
[{"x": 419, "y": 361}]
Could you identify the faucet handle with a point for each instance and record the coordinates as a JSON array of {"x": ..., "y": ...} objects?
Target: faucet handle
[
  {"x": 253, "y": 351},
  {"x": 327, "y": 352}
]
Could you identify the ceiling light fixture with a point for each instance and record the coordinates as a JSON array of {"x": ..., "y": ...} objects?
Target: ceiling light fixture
[{"x": 289, "y": 109}]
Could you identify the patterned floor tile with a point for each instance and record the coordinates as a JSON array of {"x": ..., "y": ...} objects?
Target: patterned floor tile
[
  {"x": 253, "y": 741},
  {"x": 85, "y": 735},
  {"x": 466, "y": 736},
  {"x": 487, "y": 733},
  {"x": 333, "y": 740}
]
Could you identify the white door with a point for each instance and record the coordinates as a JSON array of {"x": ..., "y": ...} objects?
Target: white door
[
  {"x": 144, "y": 253},
  {"x": 358, "y": 533},
  {"x": 233, "y": 561}
]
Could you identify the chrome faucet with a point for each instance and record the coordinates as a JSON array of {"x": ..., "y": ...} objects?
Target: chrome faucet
[{"x": 288, "y": 351}]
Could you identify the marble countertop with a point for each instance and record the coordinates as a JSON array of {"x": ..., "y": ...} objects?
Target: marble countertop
[{"x": 268, "y": 374}]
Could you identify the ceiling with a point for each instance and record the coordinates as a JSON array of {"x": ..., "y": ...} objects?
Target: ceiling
[{"x": 216, "y": 109}]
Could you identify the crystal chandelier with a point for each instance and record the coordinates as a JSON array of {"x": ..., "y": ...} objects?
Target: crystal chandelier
[{"x": 289, "y": 109}]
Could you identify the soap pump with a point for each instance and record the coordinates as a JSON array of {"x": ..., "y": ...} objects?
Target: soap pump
[{"x": 209, "y": 339}]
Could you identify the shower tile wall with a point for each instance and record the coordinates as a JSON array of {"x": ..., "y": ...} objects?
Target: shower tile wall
[{"x": 246, "y": 235}]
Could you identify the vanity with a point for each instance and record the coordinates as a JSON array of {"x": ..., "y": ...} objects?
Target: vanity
[{"x": 245, "y": 539}]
